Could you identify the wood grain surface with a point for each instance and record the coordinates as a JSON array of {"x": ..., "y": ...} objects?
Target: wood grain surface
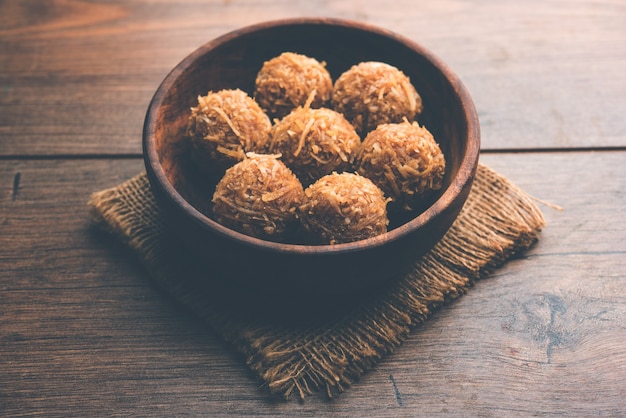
[
  {"x": 83, "y": 332},
  {"x": 76, "y": 76}
]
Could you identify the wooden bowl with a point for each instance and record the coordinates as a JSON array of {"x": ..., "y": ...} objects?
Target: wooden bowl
[{"x": 232, "y": 61}]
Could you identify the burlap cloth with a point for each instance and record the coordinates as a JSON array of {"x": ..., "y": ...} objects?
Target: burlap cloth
[{"x": 330, "y": 343}]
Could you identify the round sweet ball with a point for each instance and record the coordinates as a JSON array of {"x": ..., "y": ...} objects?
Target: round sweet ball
[
  {"x": 289, "y": 80},
  {"x": 403, "y": 160},
  {"x": 314, "y": 142},
  {"x": 372, "y": 93},
  {"x": 223, "y": 127},
  {"x": 259, "y": 196},
  {"x": 344, "y": 207}
]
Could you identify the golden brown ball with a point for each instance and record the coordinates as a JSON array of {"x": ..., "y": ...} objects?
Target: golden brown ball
[
  {"x": 372, "y": 93},
  {"x": 224, "y": 127},
  {"x": 288, "y": 80},
  {"x": 314, "y": 142},
  {"x": 258, "y": 196},
  {"x": 403, "y": 160},
  {"x": 344, "y": 207}
]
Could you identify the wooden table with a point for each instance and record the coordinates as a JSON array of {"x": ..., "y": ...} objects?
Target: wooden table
[{"x": 84, "y": 332}]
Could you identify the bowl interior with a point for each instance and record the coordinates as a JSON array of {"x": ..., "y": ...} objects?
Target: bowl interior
[{"x": 233, "y": 60}]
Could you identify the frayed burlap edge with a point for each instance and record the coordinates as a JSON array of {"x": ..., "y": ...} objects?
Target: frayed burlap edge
[{"x": 497, "y": 221}]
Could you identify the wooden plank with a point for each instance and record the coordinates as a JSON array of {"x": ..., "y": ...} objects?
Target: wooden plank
[
  {"x": 77, "y": 77},
  {"x": 544, "y": 335},
  {"x": 83, "y": 331}
]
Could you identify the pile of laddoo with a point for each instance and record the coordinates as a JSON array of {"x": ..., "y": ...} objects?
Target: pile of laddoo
[{"x": 306, "y": 160}]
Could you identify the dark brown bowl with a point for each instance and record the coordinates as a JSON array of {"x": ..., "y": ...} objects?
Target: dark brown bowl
[{"x": 232, "y": 61}]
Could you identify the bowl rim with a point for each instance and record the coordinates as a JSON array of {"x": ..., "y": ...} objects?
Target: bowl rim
[{"x": 461, "y": 181}]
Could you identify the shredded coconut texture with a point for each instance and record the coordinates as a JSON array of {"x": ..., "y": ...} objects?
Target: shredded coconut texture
[
  {"x": 223, "y": 127},
  {"x": 344, "y": 207},
  {"x": 372, "y": 93},
  {"x": 259, "y": 196},
  {"x": 403, "y": 160},
  {"x": 286, "y": 82},
  {"x": 314, "y": 142}
]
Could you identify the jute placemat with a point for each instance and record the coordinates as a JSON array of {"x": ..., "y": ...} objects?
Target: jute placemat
[{"x": 296, "y": 353}]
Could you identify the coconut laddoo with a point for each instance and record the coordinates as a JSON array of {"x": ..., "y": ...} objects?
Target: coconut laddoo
[
  {"x": 288, "y": 80},
  {"x": 258, "y": 196},
  {"x": 223, "y": 127},
  {"x": 344, "y": 207},
  {"x": 372, "y": 93},
  {"x": 314, "y": 142},
  {"x": 403, "y": 160}
]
